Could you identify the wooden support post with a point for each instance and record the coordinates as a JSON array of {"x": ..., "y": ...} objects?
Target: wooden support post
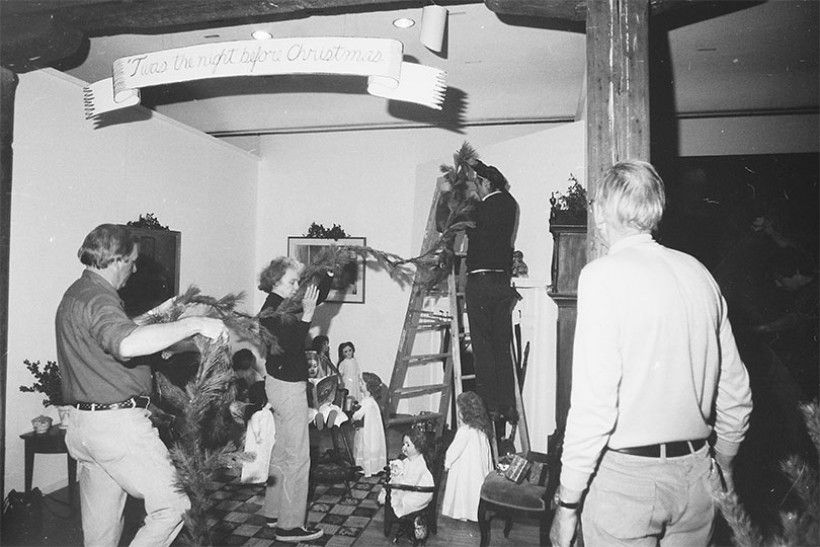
[
  {"x": 8, "y": 87},
  {"x": 617, "y": 114},
  {"x": 617, "y": 91}
]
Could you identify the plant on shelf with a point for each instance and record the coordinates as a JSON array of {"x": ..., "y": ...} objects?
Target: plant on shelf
[
  {"x": 570, "y": 207},
  {"x": 319, "y": 231},
  {"x": 49, "y": 382},
  {"x": 148, "y": 221}
]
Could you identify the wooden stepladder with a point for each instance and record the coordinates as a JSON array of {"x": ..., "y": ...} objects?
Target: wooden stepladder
[
  {"x": 422, "y": 316},
  {"x": 452, "y": 329}
]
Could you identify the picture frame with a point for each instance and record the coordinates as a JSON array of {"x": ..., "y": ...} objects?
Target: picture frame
[{"x": 306, "y": 249}]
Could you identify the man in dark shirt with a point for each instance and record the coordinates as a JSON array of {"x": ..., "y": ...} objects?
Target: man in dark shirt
[
  {"x": 285, "y": 505},
  {"x": 109, "y": 432},
  {"x": 489, "y": 296}
]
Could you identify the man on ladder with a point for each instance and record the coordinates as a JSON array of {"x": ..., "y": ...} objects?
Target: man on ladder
[{"x": 489, "y": 296}]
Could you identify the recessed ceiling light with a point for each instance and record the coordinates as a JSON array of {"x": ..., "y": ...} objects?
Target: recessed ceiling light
[
  {"x": 261, "y": 35},
  {"x": 403, "y": 22}
]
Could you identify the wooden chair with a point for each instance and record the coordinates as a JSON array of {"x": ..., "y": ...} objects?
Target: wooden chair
[
  {"x": 406, "y": 525},
  {"x": 502, "y": 497}
]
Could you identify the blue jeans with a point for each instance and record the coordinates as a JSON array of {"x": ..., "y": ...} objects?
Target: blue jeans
[
  {"x": 640, "y": 501},
  {"x": 286, "y": 493},
  {"x": 120, "y": 453}
]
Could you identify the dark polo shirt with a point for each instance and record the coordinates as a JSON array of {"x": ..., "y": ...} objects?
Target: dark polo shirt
[{"x": 90, "y": 325}]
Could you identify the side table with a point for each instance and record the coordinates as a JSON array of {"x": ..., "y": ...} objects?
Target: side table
[{"x": 51, "y": 442}]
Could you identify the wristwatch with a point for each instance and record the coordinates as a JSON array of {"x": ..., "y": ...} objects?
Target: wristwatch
[{"x": 565, "y": 504}]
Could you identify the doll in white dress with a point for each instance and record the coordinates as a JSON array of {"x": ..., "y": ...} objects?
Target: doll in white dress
[
  {"x": 468, "y": 459},
  {"x": 412, "y": 471},
  {"x": 349, "y": 370},
  {"x": 369, "y": 448}
]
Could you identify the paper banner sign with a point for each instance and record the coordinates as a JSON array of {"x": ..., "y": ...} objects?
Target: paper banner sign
[{"x": 379, "y": 59}]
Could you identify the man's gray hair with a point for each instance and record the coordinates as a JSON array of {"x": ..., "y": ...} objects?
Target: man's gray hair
[{"x": 631, "y": 194}]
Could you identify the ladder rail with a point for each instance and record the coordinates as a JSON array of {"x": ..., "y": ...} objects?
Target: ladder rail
[{"x": 416, "y": 320}]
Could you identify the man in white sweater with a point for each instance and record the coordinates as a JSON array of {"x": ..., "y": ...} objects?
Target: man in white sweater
[{"x": 655, "y": 371}]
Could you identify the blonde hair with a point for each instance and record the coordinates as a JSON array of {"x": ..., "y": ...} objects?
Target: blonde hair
[{"x": 631, "y": 195}]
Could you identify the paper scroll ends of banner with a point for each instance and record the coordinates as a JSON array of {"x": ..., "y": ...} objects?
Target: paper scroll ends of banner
[
  {"x": 418, "y": 84},
  {"x": 379, "y": 59},
  {"x": 99, "y": 98}
]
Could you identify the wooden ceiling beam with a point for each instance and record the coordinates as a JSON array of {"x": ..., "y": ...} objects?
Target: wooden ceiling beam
[{"x": 106, "y": 17}]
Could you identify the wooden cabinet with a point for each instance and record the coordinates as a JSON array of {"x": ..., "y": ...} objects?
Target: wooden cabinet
[
  {"x": 568, "y": 257},
  {"x": 157, "y": 275}
]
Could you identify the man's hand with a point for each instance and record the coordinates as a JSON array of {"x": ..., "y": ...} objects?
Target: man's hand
[
  {"x": 210, "y": 327},
  {"x": 725, "y": 469},
  {"x": 563, "y": 527},
  {"x": 309, "y": 302}
]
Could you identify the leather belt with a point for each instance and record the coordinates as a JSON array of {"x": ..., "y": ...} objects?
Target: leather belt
[
  {"x": 138, "y": 401},
  {"x": 673, "y": 449},
  {"x": 489, "y": 272}
]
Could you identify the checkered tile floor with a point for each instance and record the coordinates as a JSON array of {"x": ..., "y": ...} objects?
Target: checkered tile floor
[{"x": 236, "y": 518}]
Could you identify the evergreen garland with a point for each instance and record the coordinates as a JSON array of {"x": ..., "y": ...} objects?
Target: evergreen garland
[
  {"x": 205, "y": 411},
  {"x": 799, "y": 527}
]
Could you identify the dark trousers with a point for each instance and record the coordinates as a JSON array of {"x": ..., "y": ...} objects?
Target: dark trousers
[{"x": 490, "y": 301}]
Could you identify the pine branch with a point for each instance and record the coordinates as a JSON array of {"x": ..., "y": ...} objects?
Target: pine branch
[{"x": 745, "y": 533}]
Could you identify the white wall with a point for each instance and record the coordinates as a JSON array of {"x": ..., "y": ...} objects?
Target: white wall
[{"x": 69, "y": 177}]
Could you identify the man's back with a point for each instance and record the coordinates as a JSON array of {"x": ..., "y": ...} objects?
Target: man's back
[{"x": 663, "y": 337}]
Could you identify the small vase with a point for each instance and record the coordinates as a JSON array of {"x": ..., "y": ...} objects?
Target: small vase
[
  {"x": 41, "y": 424},
  {"x": 64, "y": 412}
]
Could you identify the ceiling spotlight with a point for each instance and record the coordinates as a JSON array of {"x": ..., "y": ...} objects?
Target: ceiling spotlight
[
  {"x": 261, "y": 35},
  {"x": 403, "y": 22}
]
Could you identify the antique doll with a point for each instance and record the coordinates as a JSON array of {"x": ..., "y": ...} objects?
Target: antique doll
[
  {"x": 321, "y": 413},
  {"x": 349, "y": 370},
  {"x": 468, "y": 459},
  {"x": 369, "y": 449},
  {"x": 413, "y": 471}
]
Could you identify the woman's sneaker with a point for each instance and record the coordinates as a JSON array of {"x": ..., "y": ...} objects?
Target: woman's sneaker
[{"x": 295, "y": 535}]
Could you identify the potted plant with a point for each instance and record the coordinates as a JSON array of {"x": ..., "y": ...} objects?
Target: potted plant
[
  {"x": 569, "y": 208},
  {"x": 49, "y": 382},
  {"x": 568, "y": 225}
]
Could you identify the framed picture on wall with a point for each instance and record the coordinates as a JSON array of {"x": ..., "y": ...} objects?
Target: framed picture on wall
[{"x": 308, "y": 249}]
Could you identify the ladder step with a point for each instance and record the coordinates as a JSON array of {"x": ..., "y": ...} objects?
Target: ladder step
[
  {"x": 413, "y": 360},
  {"x": 404, "y": 419},
  {"x": 416, "y": 391},
  {"x": 432, "y": 327}
]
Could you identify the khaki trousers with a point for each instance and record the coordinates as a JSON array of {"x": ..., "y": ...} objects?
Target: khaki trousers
[
  {"x": 639, "y": 501},
  {"x": 120, "y": 453}
]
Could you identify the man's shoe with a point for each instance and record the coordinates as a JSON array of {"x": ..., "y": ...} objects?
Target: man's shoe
[
  {"x": 319, "y": 421},
  {"x": 331, "y": 418},
  {"x": 271, "y": 523},
  {"x": 296, "y": 535}
]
